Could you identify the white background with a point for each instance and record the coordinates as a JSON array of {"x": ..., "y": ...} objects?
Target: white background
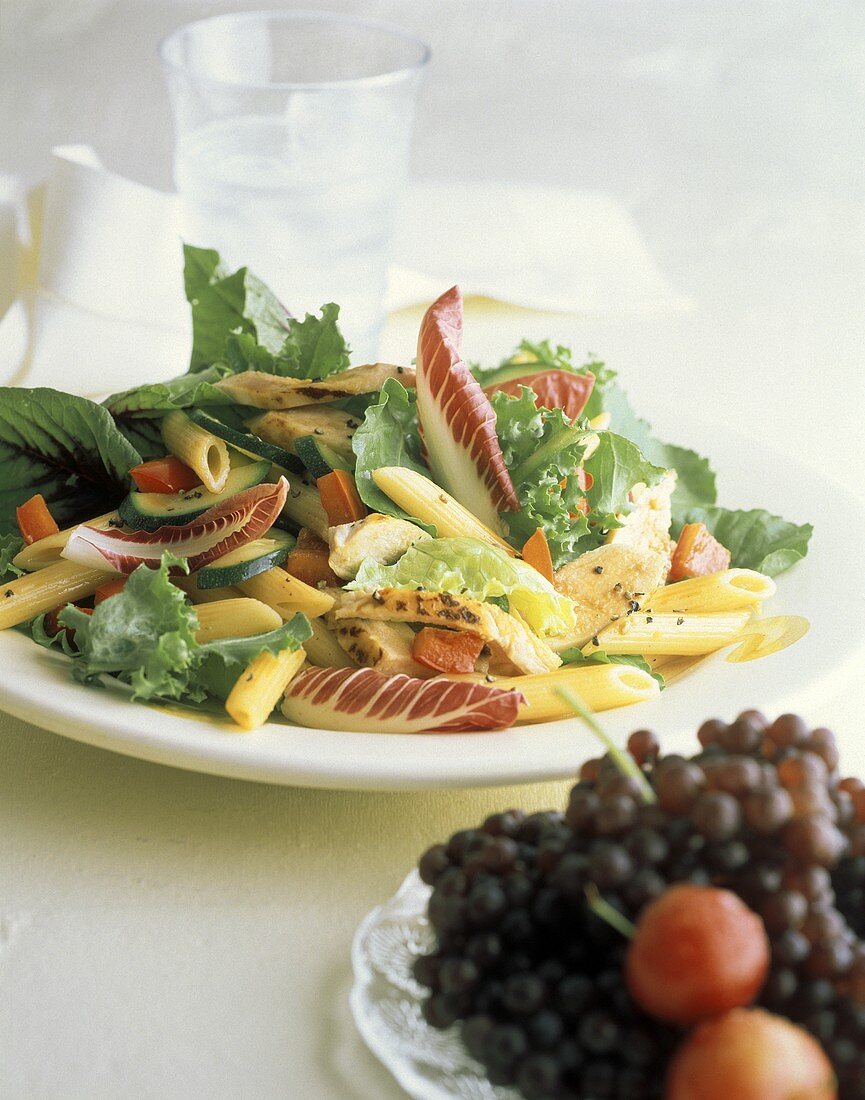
[{"x": 171, "y": 935}]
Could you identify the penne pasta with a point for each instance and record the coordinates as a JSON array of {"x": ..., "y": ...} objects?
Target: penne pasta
[
  {"x": 420, "y": 497},
  {"x": 260, "y": 687},
  {"x": 203, "y": 452},
  {"x": 286, "y": 594},
  {"x": 303, "y": 507},
  {"x": 674, "y": 668},
  {"x": 685, "y": 635},
  {"x": 239, "y": 617},
  {"x": 600, "y": 687},
  {"x": 47, "y": 551},
  {"x": 54, "y": 586},
  {"x": 730, "y": 590}
]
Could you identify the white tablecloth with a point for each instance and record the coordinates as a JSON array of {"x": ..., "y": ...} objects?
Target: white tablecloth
[{"x": 171, "y": 935}]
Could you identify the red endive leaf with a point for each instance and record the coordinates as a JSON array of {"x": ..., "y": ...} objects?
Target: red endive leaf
[
  {"x": 456, "y": 418},
  {"x": 236, "y": 521},
  {"x": 554, "y": 389},
  {"x": 366, "y": 701}
]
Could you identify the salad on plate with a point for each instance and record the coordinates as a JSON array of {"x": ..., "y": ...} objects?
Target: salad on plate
[{"x": 431, "y": 546}]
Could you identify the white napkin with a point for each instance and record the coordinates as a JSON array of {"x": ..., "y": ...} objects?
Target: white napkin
[{"x": 105, "y": 308}]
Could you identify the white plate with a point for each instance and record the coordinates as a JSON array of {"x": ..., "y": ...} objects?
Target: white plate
[{"x": 36, "y": 684}]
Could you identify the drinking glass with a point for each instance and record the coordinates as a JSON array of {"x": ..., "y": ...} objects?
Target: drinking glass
[{"x": 292, "y": 141}]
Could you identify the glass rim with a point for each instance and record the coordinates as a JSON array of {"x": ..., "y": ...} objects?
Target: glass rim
[{"x": 392, "y": 76}]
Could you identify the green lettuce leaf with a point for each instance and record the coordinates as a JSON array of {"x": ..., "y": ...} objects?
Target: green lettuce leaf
[
  {"x": 184, "y": 392},
  {"x": 143, "y": 635},
  {"x": 10, "y": 544},
  {"x": 388, "y": 436},
  {"x": 225, "y": 302},
  {"x": 696, "y": 480},
  {"x": 218, "y": 664},
  {"x": 616, "y": 467},
  {"x": 467, "y": 567},
  {"x": 756, "y": 539},
  {"x": 542, "y": 451},
  {"x": 599, "y": 657},
  {"x": 67, "y": 448},
  {"x": 314, "y": 348}
]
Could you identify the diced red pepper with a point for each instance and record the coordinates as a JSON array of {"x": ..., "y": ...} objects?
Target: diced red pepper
[
  {"x": 447, "y": 650},
  {"x": 698, "y": 553},
  {"x": 35, "y": 521},
  {"x": 164, "y": 475},
  {"x": 110, "y": 588}
]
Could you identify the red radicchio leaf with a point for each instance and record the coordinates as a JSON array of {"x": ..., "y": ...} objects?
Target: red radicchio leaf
[
  {"x": 366, "y": 701},
  {"x": 232, "y": 523},
  {"x": 553, "y": 389},
  {"x": 456, "y": 418}
]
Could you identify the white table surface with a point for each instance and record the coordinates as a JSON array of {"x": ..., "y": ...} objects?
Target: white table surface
[{"x": 164, "y": 934}]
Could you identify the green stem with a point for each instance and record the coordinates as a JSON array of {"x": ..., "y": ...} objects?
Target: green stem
[
  {"x": 543, "y": 456},
  {"x": 609, "y": 913},
  {"x": 623, "y": 760}
]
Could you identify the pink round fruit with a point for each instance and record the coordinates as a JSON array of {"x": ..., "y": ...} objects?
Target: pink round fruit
[
  {"x": 749, "y": 1054},
  {"x": 697, "y": 952}
]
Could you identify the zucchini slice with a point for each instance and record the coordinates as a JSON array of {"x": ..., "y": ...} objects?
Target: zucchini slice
[
  {"x": 318, "y": 458},
  {"x": 150, "y": 511},
  {"x": 247, "y": 561},
  {"x": 246, "y": 442}
]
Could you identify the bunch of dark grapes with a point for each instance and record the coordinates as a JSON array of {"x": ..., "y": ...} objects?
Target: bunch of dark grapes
[{"x": 535, "y": 978}]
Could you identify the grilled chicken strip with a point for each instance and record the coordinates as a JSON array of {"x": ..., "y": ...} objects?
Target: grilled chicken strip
[
  {"x": 502, "y": 632},
  {"x": 647, "y": 526},
  {"x": 382, "y": 538},
  {"x": 606, "y": 584},
  {"x": 385, "y": 647},
  {"x": 270, "y": 391}
]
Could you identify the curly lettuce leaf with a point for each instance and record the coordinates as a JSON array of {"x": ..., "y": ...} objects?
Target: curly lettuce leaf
[
  {"x": 529, "y": 358},
  {"x": 314, "y": 348},
  {"x": 600, "y": 657},
  {"x": 467, "y": 567},
  {"x": 10, "y": 545},
  {"x": 144, "y": 635},
  {"x": 543, "y": 451},
  {"x": 225, "y": 302},
  {"x": 67, "y": 448},
  {"x": 755, "y": 538},
  {"x": 388, "y": 436},
  {"x": 220, "y": 663}
]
